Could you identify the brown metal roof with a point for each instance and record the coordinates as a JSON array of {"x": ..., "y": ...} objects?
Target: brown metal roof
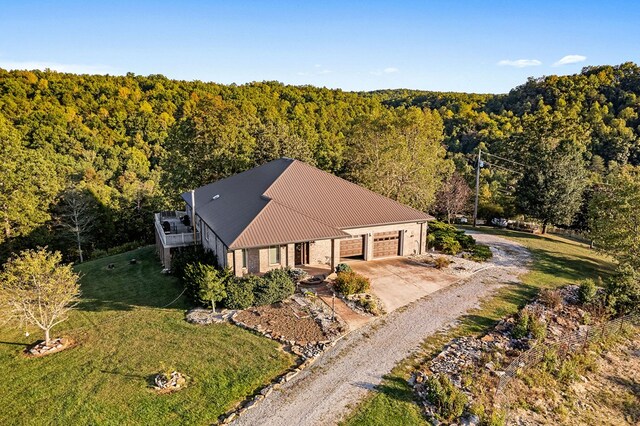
[{"x": 286, "y": 201}]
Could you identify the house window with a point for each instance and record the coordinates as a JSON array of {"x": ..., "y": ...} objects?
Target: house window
[
  {"x": 274, "y": 255},
  {"x": 244, "y": 258}
]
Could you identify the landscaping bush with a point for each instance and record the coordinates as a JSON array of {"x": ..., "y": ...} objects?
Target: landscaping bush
[
  {"x": 623, "y": 290},
  {"x": 441, "y": 262},
  {"x": 481, "y": 253},
  {"x": 448, "y": 239},
  {"x": 550, "y": 298},
  {"x": 343, "y": 267},
  {"x": 191, "y": 254},
  {"x": 587, "y": 291},
  {"x": 275, "y": 286},
  {"x": 467, "y": 242},
  {"x": 131, "y": 245},
  {"x": 296, "y": 274},
  {"x": 537, "y": 328},
  {"x": 449, "y": 400},
  {"x": 351, "y": 283},
  {"x": 240, "y": 292},
  {"x": 521, "y": 326},
  {"x": 449, "y": 245},
  {"x": 206, "y": 282},
  {"x": 368, "y": 304},
  {"x": 527, "y": 323}
]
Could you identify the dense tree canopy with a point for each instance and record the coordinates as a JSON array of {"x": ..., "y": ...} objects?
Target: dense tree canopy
[
  {"x": 615, "y": 216},
  {"x": 134, "y": 142}
]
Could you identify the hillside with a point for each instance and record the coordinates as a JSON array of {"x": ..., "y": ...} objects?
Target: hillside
[{"x": 129, "y": 144}]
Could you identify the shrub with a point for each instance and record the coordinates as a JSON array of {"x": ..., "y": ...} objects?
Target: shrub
[
  {"x": 207, "y": 282},
  {"x": 467, "y": 242},
  {"x": 131, "y": 245},
  {"x": 191, "y": 254},
  {"x": 343, "y": 267},
  {"x": 449, "y": 400},
  {"x": 623, "y": 290},
  {"x": 240, "y": 292},
  {"x": 448, "y": 238},
  {"x": 274, "y": 286},
  {"x": 369, "y": 304},
  {"x": 521, "y": 326},
  {"x": 537, "y": 328},
  {"x": 351, "y": 283},
  {"x": 481, "y": 253},
  {"x": 587, "y": 291},
  {"x": 449, "y": 245},
  {"x": 296, "y": 274},
  {"x": 527, "y": 323},
  {"x": 441, "y": 262},
  {"x": 550, "y": 298}
]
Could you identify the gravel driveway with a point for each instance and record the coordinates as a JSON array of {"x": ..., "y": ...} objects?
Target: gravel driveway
[{"x": 341, "y": 377}]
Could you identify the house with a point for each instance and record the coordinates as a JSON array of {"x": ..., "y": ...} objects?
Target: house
[{"x": 288, "y": 213}]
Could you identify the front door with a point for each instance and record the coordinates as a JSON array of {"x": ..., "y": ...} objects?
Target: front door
[{"x": 302, "y": 253}]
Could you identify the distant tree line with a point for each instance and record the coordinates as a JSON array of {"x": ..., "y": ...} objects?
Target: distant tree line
[{"x": 88, "y": 159}]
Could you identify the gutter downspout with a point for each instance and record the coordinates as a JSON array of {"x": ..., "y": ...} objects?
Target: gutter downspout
[{"x": 193, "y": 216}]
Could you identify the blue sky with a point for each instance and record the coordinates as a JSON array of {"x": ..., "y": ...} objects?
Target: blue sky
[{"x": 472, "y": 46}]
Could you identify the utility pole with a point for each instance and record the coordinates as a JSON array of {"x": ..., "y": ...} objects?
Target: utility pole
[{"x": 475, "y": 206}]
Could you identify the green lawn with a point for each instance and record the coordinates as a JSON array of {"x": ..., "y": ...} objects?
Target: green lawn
[
  {"x": 556, "y": 262},
  {"x": 124, "y": 336}
]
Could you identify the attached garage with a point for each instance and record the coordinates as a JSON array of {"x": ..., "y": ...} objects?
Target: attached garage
[
  {"x": 352, "y": 247},
  {"x": 386, "y": 244}
]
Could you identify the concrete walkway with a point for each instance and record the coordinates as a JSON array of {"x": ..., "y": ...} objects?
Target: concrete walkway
[
  {"x": 353, "y": 319},
  {"x": 324, "y": 393}
]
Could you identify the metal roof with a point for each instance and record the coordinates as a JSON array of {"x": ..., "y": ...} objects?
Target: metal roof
[{"x": 286, "y": 201}]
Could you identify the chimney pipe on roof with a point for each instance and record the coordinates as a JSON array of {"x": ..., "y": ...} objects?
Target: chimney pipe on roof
[{"x": 193, "y": 216}]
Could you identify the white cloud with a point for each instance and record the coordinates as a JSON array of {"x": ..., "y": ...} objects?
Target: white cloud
[
  {"x": 388, "y": 70},
  {"x": 520, "y": 63},
  {"x": 569, "y": 59},
  {"x": 315, "y": 72},
  {"x": 71, "y": 68}
]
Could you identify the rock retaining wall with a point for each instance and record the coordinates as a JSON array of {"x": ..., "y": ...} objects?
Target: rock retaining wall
[{"x": 306, "y": 354}]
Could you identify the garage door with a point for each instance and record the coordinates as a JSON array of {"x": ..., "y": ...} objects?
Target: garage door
[
  {"x": 386, "y": 244},
  {"x": 352, "y": 247}
]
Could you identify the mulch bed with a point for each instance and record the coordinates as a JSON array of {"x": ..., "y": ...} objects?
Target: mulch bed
[{"x": 286, "y": 319}]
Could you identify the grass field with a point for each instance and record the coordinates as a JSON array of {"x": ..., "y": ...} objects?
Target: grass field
[
  {"x": 556, "y": 262},
  {"x": 125, "y": 335}
]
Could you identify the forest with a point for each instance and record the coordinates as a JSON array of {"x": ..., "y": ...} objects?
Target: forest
[{"x": 87, "y": 159}]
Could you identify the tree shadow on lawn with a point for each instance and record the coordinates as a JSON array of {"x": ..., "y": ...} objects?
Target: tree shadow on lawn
[
  {"x": 394, "y": 387},
  {"x": 509, "y": 299},
  {"x": 127, "y": 285},
  {"x": 571, "y": 267}
]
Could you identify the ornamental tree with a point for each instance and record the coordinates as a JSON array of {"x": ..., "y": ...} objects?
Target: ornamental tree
[
  {"x": 36, "y": 289},
  {"x": 208, "y": 282}
]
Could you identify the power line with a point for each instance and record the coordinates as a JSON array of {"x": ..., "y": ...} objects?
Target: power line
[
  {"x": 502, "y": 167},
  {"x": 505, "y": 159}
]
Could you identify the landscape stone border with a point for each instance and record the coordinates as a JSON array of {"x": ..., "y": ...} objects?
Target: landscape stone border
[
  {"x": 307, "y": 354},
  {"x": 40, "y": 349}
]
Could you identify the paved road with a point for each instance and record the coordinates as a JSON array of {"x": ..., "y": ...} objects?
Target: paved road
[{"x": 340, "y": 378}]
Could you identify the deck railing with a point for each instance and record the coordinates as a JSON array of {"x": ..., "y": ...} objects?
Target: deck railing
[{"x": 173, "y": 239}]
